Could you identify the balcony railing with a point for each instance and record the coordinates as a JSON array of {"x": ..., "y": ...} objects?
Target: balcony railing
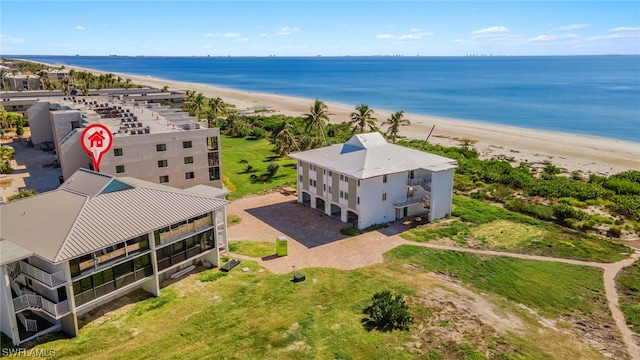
[
  {"x": 185, "y": 229},
  {"x": 37, "y": 302},
  {"x": 52, "y": 280},
  {"x": 30, "y": 325},
  {"x": 407, "y": 201},
  {"x": 422, "y": 182}
]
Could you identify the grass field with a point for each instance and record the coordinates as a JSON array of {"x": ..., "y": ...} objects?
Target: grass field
[
  {"x": 239, "y": 153},
  {"x": 492, "y": 227},
  {"x": 254, "y": 249},
  {"x": 259, "y": 315},
  {"x": 628, "y": 285}
]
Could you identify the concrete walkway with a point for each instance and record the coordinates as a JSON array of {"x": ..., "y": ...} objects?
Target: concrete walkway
[{"x": 315, "y": 241}]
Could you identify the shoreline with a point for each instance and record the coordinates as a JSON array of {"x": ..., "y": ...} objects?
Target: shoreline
[{"x": 571, "y": 152}]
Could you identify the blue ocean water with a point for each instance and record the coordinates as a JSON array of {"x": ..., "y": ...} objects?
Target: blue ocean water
[{"x": 590, "y": 95}]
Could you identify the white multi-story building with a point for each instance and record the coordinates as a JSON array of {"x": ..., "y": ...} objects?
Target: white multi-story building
[
  {"x": 97, "y": 238},
  {"x": 150, "y": 142},
  {"x": 368, "y": 181}
]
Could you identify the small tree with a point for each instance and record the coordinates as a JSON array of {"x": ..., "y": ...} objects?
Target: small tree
[
  {"x": 22, "y": 194},
  {"x": 273, "y": 167},
  {"x": 388, "y": 312}
]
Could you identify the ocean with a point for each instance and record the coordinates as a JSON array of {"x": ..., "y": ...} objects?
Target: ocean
[{"x": 588, "y": 95}]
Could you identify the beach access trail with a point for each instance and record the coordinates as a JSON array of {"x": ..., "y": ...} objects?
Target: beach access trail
[
  {"x": 315, "y": 241},
  {"x": 571, "y": 152}
]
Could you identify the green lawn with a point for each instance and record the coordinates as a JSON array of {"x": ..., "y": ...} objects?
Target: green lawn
[
  {"x": 259, "y": 315},
  {"x": 496, "y": 228},
  {"x": 239, "y": 153},
  {"x": 628, "y": 285},
  {"x": 253, "y": 248}
]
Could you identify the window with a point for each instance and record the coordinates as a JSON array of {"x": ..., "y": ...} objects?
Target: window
[
  {"x": 324, "y": 187},
  {"x": 162, "y": 163},
  {"x": 212, "y": 143},
  {"x": 188, "y": 160},
  {"x": 117, "y": 152},
  {"x": 187, "y": 145},
  {"x": 300, "y": 177},
  {"x": 341, "y": 194},
  {"x": 75, "y": 124},
  {"x": 119, "y": 169},
  {"x": 164, "y": 179},
  {"x": 358, "y": 200},
  {"x": 384, "y": 178},
  {"x": 330, "y": 173},
  {"x": 214, "y": 173},
  {"x": 384, "y": 196},
  {"x": 161, "y": 147},
  {"x": 324, "y": 171},
  {"x": 329, "y": 189},
  {"x": 189, "y": 175},
  {"x": 341, "y": 177},
  {"x": 346, "y": 195}
]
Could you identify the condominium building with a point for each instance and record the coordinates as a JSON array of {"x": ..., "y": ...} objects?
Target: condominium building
[
  {"x": 95, "y": 239},
  {"x": 368, "y": 181},
  {"x": 21, "y": 81},
  {"x": 55, "y": 75},
  {"x": 151, "y": 142}
]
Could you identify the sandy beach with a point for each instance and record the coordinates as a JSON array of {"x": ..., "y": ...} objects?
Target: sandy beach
[{"x": 571, "y": 152}]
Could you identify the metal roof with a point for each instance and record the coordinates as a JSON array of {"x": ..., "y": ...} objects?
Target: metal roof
[
  {"x": 12, "y": 252},
  {"x": 66, "y": 223},
  {"x": 370, "y": 155}
]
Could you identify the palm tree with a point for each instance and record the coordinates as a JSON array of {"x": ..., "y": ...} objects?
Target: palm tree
[
  {"x": 395, "y": 122},
  {"x": 316, "y": 118},
  {"x": 2, "y": 73},
  {"x": 363, "y": 117},
  {"x": 284, "y": 141},
  {"x": 163, "y": 89},
  {"x": 198, "y": 105},
  {"x": 215, "y": 106}
]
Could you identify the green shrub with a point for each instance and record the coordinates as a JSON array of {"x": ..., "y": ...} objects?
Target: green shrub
[
  {"x": 563, "y": 211},
  {"x": 388, "y": 312},
  {"x": 350, "y": 231},
  {"x": 615, "y": 231},
  {"x": 273, "y": 167},
  {"x": 542, "y": 212},
  {"x": 22, "y": 194},
  {"x": 258, "y": 133}
]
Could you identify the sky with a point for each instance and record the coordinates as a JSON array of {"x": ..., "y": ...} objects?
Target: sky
[{"x": 311, "y": 28}]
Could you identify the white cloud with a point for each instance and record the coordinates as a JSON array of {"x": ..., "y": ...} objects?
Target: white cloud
[
  {"x": 206, "y": 46},
  {"x": 243, "y": 39},
  {"x": 286, "y": 30},
  {"x": 385, "y": 36},
  {"x": 492, "y": 30},
  {"x": 79, "y": 27},
  {"x": 625, "y": 29},
  {"x": 415, "y": 30},
  {"x": 211, "y": 35},
  {"x": 10, "y": 39},
  {"x": 572, "y": 27},
  {"x": 549, "y": 38},
  {"x": 265, "y": 35},
  {"x": 231, "y": 35},
  {"x": 620, "y": 33},
  {"x": 410, "y": 37},
  {"x": 458, "y": 41}
]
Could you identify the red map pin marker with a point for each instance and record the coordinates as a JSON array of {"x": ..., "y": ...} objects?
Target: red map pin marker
[{"x": 96, "y": 141}]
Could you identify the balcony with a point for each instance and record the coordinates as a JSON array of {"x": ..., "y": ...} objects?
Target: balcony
[
  {"x": 37, "y": 302},
  {"x": 424, "y": 183},
  {"x": 184, "y": 229},
  {"x": 51, "y": 280}
]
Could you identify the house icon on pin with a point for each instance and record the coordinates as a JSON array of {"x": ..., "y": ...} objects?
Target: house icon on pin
[{"x": 96, "y": 139}]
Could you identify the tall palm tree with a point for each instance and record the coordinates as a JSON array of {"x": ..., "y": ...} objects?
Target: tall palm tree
[
  {"x": 395, "y": 122},
  {"x": 316, "y": 118},
  {"x": 284, "y": 141},
  {"x": 2, "y": 73},
  {"x": 216, "y": 105},
  {"x": 198, "y": 104},
  {"x": 363, "y": 117}
]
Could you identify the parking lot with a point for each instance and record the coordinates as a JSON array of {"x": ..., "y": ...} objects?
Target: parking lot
[
  {"x": 32, "y": 169},
  {"x": 314, "y": 238}
]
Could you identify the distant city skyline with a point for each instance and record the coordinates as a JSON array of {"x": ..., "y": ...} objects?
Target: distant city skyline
[{"x": 327, "y": 28}]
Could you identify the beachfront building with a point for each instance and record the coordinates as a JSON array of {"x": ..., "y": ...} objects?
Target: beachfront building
[
  {"x": 151, "y": 142},
  {"x": 21, "y": 81},
  {"x": 368, "y": 181},
  {"x": 96, "y": 238},
  {"x": 55, "y": 75}
]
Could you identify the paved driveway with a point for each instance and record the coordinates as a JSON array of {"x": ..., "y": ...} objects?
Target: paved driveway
[{"x": 314, "y": 238}]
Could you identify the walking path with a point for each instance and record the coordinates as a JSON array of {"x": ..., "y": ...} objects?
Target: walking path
[{"x": 313, "y": 243}]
